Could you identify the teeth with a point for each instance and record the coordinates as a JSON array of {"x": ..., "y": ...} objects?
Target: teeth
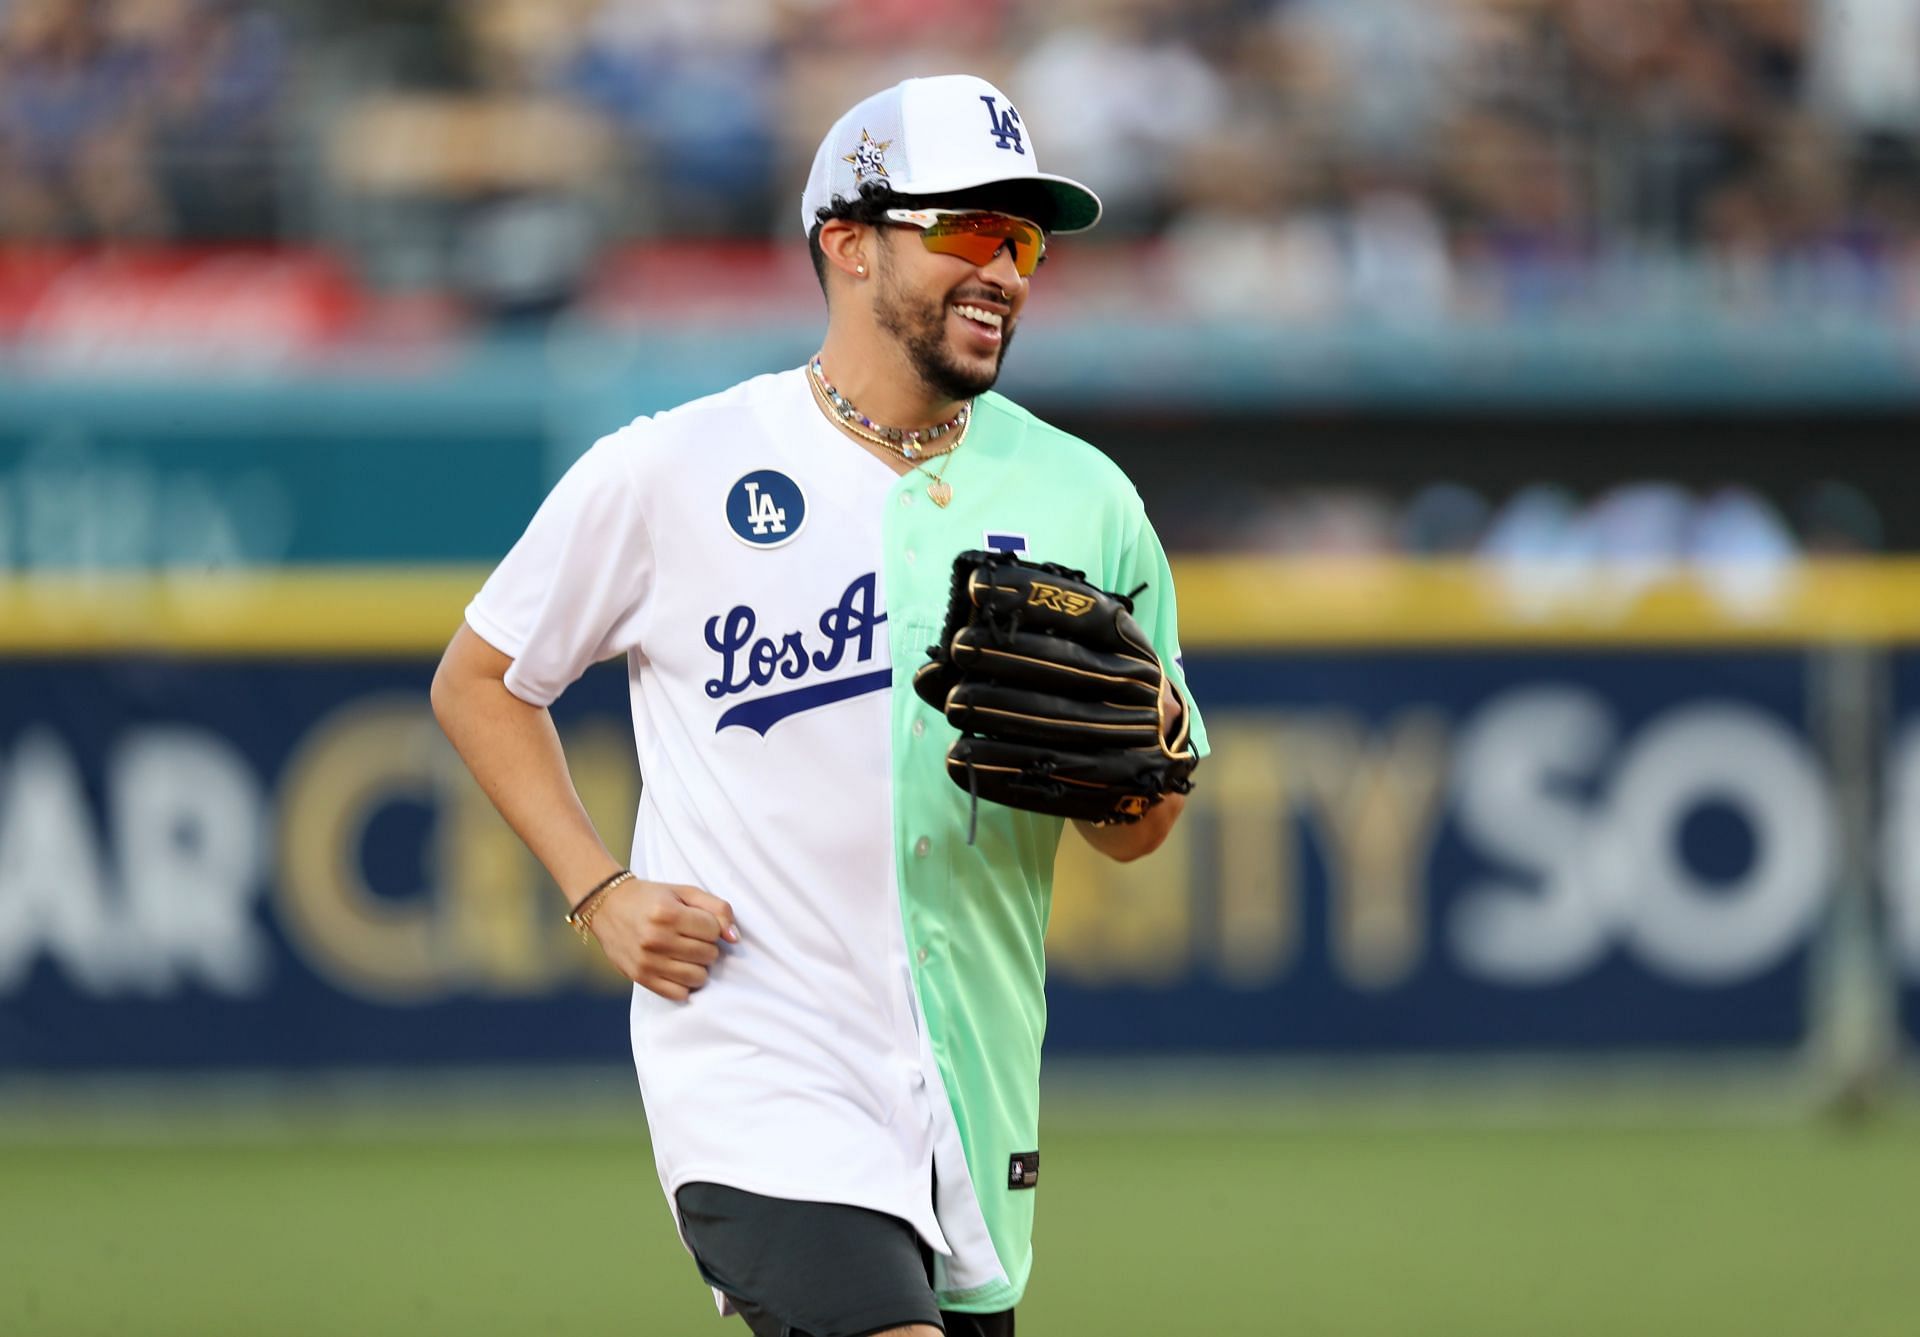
[{"x": 984, "y": 317}]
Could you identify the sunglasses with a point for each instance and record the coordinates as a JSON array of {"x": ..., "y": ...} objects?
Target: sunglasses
[{"x": 977, "y": 237}]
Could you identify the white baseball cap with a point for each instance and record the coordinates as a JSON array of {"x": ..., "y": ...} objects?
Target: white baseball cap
[{"x": 932, "y": 136}]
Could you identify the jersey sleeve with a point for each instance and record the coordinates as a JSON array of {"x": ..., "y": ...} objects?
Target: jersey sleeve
[
  {"x": 1144, "y": 562},
  {"x": 572, "y": 590}
]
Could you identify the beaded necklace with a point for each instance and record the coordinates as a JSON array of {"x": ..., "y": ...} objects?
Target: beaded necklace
[{"x": 910, "y": 445}]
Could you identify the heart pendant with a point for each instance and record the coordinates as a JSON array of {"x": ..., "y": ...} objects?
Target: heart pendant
[{"x": 941, "y": 491}]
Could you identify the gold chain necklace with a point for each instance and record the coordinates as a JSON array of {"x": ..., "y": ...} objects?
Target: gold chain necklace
[
  {"x": 940, "y": 491},
  {"x": 909, "y": 443}
]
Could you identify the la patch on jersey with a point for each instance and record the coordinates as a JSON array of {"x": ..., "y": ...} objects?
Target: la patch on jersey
[{"x": 766, "y": 509}]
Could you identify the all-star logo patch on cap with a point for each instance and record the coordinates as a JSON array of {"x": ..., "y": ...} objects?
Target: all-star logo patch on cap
[{"x": 934, "y": 136}]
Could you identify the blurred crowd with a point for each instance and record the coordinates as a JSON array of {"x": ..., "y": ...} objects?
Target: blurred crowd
[
  {"x": 1649, "y": 525},
  {"x": 1389, "y": 162},
  {"x": 1400, "y": 160},
  {"x": 140, "y": 119}
]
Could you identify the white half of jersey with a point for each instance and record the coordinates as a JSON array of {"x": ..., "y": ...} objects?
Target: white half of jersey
[{"x": 802, "y": 1070}]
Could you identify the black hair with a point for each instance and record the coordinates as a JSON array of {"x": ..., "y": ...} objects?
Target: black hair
[
  {"x": 1027, "y": 199},
  {"x": 869, "y": 207}
]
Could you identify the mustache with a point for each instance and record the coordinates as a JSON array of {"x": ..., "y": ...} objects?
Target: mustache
[{"x": 993, "y": 295}]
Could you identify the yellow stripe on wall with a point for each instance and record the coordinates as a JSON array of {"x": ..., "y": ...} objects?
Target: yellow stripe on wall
[
  {"x": 1291, "y": 602},
  {"x": 319, "y": 611},
  {"x": 1225, "y": 603}
]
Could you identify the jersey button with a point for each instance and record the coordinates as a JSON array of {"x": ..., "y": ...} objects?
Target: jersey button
[
  {"x": 923, "y": 956},
  {"x": 919, "y": 728},
  {"x": 910, "y": 556},
  {"x": 906, "y": 498},
  {"x": 921, "y": 846}
]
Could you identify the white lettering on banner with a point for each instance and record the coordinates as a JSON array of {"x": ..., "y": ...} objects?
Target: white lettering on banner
[
  {"x": 189, "y": 831},
  {"x": 186, "y": 814},
  {"x": 1900, "y": 849},
  {"x": 53, "y": 882},
  {"x": 1606, "y": 866},
  {"x": 1516, "y": 766},
  {"x": 1691, "y": 930}
]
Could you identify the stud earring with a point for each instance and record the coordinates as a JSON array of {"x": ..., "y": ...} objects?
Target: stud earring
[{"x": 860, "y": 269}]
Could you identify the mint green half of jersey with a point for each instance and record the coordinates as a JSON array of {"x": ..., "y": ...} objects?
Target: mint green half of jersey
[{"x": 976, "y": 915}]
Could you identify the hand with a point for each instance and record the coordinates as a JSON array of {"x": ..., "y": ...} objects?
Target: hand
[
  {"x": 662, "y": 936},
  {"x": 1171, "y": 710}
]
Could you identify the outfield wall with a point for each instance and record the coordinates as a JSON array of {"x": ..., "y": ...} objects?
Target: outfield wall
[
  {"x": 1557, "y": 809},
  {"x": 1450, "y": 812}
]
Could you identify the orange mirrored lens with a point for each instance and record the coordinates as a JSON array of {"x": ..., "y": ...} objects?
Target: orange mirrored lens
[{"x": 978, "y": 238}]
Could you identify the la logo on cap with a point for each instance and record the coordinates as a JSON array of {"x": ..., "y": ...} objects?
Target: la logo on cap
[
  {"x": 1006, "y": 125},
  {"x": 939, "y": 136}
]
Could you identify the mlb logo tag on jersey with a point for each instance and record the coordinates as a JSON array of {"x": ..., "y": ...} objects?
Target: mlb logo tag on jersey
[
  {"x": 1005, "y": 126},
  {"x": 766, "y": 509},
  {"x": 1023, "y": 1169}
]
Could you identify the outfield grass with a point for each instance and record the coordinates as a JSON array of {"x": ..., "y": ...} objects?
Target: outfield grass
[{"x": 1153, "y": 1227}]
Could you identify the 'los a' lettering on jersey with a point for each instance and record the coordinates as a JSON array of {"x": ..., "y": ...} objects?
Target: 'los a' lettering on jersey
[{"x": 772, "y": 588}]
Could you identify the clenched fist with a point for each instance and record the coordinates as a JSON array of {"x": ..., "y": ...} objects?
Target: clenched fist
[{"x": 663, "y": 936}]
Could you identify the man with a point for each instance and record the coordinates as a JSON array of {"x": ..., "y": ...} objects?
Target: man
[{"x": 839, "y": 1006}]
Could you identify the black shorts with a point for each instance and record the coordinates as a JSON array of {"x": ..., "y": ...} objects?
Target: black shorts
[{"x": 818, "y": 1269}]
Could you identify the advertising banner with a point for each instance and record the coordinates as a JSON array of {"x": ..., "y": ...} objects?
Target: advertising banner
[
  {"x": 1491, "y": 852},
  {"x": 263, "y": 862}
]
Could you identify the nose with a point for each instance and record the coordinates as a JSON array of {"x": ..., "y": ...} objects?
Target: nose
[{"x": 1002, "y": 272}]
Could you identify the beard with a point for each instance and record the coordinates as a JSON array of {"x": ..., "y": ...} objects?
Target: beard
[{"x": 920, "y": 325}]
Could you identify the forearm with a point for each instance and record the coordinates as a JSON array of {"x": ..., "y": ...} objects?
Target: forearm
[
  {"x": 514, "y": 753},
  {"x": 1136, "y": 840}
]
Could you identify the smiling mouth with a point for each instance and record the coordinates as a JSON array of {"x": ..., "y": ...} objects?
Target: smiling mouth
[{"x": 987, "y": 323}]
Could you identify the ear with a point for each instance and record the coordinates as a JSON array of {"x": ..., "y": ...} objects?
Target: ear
[{"x": 848, "y": 247}]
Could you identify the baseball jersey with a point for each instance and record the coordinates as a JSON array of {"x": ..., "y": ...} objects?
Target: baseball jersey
[{"x": 874, "y": 1037}]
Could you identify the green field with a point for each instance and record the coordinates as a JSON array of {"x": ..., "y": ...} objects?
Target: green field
[{"x": 1155, "y": 1224}]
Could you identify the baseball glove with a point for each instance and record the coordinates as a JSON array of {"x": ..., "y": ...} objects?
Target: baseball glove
[{"x": 1056, "y": 692}]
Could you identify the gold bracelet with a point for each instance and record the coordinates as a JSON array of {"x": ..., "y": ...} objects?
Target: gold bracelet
[{"x": 580, "y": 918}]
